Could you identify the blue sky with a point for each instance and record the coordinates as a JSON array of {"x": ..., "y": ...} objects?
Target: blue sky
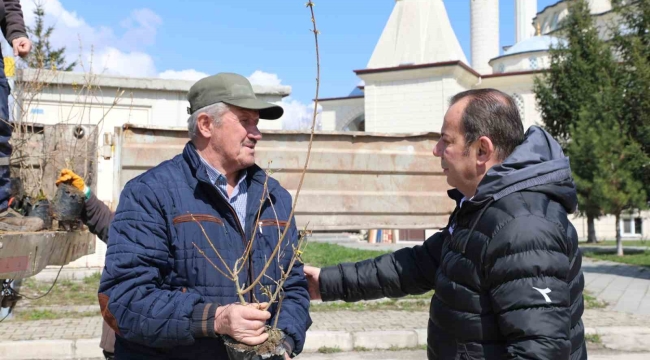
[{"x": 154, "y": 37}]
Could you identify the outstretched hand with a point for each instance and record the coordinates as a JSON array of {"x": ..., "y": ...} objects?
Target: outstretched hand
[{"x": 313, "y": 275}]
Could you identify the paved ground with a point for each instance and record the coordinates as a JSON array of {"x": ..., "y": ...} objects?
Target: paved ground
[
  {"x": 421, "y": 354},
  {"x": 625, "y": 288},
  {"x": 347, "y": 321}
]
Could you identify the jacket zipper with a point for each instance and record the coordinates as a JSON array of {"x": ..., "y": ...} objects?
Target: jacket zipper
[
  {"x": 243, "y": 238},
  {"x": 250, "y": 257}
]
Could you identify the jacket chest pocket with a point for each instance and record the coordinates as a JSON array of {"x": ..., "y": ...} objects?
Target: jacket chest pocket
[
  {"x": 199, "y": 230},
  {"x": 270, "y": 226},
  {"x": 269, "y": 231}
]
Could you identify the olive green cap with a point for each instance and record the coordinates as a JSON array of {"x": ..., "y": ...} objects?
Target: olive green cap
[{"x": 232, "y": 89}]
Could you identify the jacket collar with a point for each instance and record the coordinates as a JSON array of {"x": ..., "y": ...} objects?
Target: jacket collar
[
  {"x": 254, "y": 173},
  {"x": 255, "y": 178}
]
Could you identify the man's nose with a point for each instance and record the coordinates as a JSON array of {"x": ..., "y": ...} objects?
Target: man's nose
[
  {"x": 436, "y": 150},
  {"x": 255, "y": 133}
]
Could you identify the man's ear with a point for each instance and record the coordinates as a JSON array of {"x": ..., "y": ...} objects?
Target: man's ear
[
  {"x": 485, "y": 150},
  {"x": 204, "y": 125}
]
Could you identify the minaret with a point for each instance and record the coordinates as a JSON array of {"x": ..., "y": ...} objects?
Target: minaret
[
  {"x": 485, "y": 33},
  {"x": 525, "y": 12}
]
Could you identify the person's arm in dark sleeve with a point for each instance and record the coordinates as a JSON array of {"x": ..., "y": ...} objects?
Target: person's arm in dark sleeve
[
  {"x": 97, "y": 216},
  {"x": 13, "y": 24},
  {"x": 403, "y": 272}
]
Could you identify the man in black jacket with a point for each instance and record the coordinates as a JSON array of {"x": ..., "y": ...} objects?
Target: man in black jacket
[{"x": 506, "y": 269}]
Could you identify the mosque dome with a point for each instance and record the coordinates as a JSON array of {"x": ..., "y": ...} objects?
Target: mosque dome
[
  {"x": 535, "y": 43},
  {"x": 527, "y": 55}
]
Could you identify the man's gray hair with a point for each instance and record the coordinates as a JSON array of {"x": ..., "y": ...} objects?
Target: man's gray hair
[{"x": 215, "y": 111}]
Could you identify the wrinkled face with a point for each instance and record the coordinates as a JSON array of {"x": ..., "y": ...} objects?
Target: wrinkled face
[
  {"x": 235, "y": 137},
  {"x": 458, "y": 162}
]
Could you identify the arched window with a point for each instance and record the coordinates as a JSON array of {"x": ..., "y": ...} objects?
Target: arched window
[
  {"x": 519, "y": 100},
  {"x": 554, "y": 21}
]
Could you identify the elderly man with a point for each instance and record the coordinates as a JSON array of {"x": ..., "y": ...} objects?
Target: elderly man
[
  {"x": 506, "y": 269},
  {"x": 159, "y": 293}
]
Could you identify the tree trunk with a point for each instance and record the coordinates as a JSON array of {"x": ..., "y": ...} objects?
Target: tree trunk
[
  {"x": 591, "y": 230},
  {"x": 619, "y": 241}
]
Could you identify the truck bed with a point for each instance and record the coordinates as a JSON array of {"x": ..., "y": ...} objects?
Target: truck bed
[{"x": 25, "y": 254}]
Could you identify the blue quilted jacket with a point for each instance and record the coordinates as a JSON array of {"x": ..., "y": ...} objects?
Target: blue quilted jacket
[{"x": 160, "y": 294}]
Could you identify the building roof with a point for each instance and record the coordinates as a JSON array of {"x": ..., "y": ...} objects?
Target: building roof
[
  {"x": 123, "y": 82},
  {"x": 535, "y": 43},
  {"x": 419, "y": 66},
  {"x": 417, "y": 32}
]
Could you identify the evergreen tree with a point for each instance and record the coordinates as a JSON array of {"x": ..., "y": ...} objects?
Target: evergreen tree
[
  {"x": 631, "y": 43},
  {"x": 42, "y": 55},
  {"x": 609, "y": 156},
  {"x": 581, "y": 66}
]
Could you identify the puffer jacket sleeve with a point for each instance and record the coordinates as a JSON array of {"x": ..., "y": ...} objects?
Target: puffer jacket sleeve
[
  {"x": 132, "y": 298},
  {"x": 294, "y": 315},
  {"x": 527, "y": 267},
  {"x": 403, "y": 272}
]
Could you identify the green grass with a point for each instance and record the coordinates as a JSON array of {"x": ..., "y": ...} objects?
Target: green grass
[
  {"x": 639, "y": 259},
  {"x": 392, "y": 348},
  {"x": 65, "y": 292},
  {"x": 592, "y": 303},
  {"x": 392, "y": 304},
  {"x": 329, "y": 350},
  {"x": 34, "y": 315},
  {"x": 324, "y": 254},
  {"x": 397, "y": 348},
  {"x": 593, "y": 338},
  {"x": 613, "y": 243}
]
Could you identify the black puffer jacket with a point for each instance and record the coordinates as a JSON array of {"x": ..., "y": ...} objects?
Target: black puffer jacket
[{"x": 508, "y": 280}]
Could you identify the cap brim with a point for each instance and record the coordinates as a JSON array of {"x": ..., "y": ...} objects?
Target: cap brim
[{"x": 267, "y": 110}]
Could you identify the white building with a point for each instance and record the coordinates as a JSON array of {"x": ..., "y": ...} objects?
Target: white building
[
  {"x": 418, "y": 65},
  {"x": 81, "y": 98}
]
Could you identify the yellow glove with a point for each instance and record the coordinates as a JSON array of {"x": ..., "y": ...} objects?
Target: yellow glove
[{"x": 69, "y": 177}]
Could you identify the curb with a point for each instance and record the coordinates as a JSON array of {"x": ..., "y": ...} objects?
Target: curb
[
  {"x": 372, "y": 339},
  {"x": 343, "y": 340},
  {"x": 629, "y": 339}
]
